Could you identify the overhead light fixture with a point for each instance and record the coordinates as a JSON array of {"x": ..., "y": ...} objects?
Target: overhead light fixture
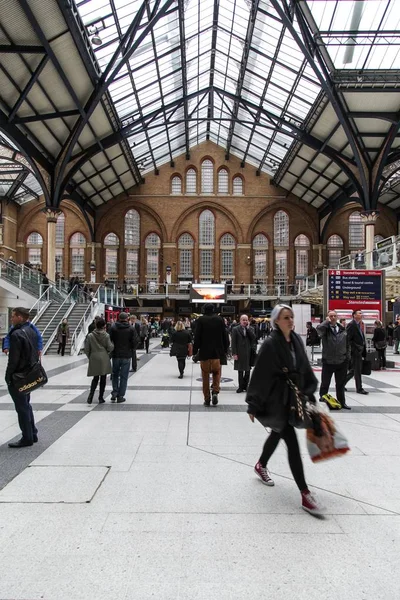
[{"x": 95, "y": 39}]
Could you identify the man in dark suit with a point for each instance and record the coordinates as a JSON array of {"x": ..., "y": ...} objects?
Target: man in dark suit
[
  {"x": 136, "y": 325},
  {"x": 211, "y": 341},
  {"x": 358, "y": 351}
]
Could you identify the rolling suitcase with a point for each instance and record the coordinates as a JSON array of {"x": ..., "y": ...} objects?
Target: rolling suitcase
[{"x": 373, "y": 358}]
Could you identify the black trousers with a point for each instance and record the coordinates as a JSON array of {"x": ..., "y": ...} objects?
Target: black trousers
[
  {"x": 134, "y": 360},
  {"x": 95, "y": 381},
  {"x": 26, "y": 420},
  {"x": 244, "y": 377},
  {"x": 181, "y": 364},
  {"x": 289, "y": 436},
  {"x": 355, "y": 370},
  {"x": 382, "y": 357},
  {"x": 340, "y": 372},
  {"x": 61, "y": 345}
]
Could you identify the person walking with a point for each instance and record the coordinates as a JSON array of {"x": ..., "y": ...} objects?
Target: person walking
[
  {"x": 144, "y": 334},
  {"x": 98, "y": 347},
  {"x": 389, "y": 330},
  {"x": 62, "y": 336},
  {"x": 136, "y": 325},
  {"x": 211, "y": 342},
  {"x": 335, "y": 356},
  {"x": 358, "y": 350},
  {"x": 23, "y": 353},
  {"x": 181, "y": 339},
  {"x": 312, "y": 339},
  {"x": 379, "y": 342},
  {"x": 281, "y": 356},
  {"x": 244, "y": 350},
  {"x": 124, "y": 338}
]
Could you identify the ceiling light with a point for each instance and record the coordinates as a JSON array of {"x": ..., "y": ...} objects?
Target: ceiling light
[{"x": 96, "y": 40}]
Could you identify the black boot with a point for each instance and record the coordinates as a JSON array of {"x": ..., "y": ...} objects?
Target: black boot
[
  {"x": 90, "y": 397},
  {"x": 103, "y": 380}
]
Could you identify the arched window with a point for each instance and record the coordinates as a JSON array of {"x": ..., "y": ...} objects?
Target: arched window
[
  {"x": 185, "y": 247},
  {"x": 34, "y": 244},
  {"x": 335, "y": 250},
  {"x": 111, "y": 241},
  {"x": 302, "y": 249},
  {"x": 260, "y": 257},
  {"x": 223, "y": 181},
  {"x": 227, "y": 247},
  {"x": 132, "y": 228},
  {"x": 77, "y": 244},
  {"x": 60, "y": 228},
  {"x": 281, "y": 228},
  {"x": 207, "y": 244},
  {"x": 356, "y": 231},
  {"x": 281, "y": 240},
  {"x": 237, "y": 186},
  {"x": 191, "y": 181},
  {"x": 207, "y": 177},
  {"x": 152, "y": 245},
  {"x": 176, "y": 185}
]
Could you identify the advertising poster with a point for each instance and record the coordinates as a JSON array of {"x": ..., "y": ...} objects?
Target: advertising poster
[{"x": 207, "y": 292}]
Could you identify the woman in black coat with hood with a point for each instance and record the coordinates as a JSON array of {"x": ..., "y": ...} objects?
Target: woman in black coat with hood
[{"x": 282, "y": 356}]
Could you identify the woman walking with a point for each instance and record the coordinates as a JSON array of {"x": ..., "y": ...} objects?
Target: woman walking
[
  {"x": 97, "y": 348},
  {"x": 62, "y": 336},
  {"x": 379, "y": 342},
  {"x": 180, "y": 346},
  {"x": 281, "y": 357}
]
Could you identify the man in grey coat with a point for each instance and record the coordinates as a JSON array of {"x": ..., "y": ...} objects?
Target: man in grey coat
[
  {"x": 335, "y": 356},
  {"x": 244, "y": 349}
]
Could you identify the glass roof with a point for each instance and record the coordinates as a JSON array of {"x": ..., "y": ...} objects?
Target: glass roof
[
  {"x": 17, "y": 181},
  {"x": 198, "y": 83},
  {"x": 359, "y": 34}
]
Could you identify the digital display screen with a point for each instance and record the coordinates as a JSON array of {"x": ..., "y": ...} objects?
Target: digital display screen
[{"x": 203, "y": 293}]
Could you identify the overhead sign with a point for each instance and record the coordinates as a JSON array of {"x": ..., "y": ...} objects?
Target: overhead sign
[{"x": 351, "y": 289}]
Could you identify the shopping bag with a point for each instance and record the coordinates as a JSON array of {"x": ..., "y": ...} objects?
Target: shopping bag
[
  {"x": 331, "y": 444},
  {"x": 366, "y": 367}
]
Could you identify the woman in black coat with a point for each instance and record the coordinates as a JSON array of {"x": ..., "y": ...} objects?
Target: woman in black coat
[
  {"x": 379, "y": 341},
  {"x": 180, "y": 346},
  {"x": 282, "y": 356}
]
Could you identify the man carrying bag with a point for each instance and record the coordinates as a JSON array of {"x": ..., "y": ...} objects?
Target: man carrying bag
[{"x": 23, "y": 356}]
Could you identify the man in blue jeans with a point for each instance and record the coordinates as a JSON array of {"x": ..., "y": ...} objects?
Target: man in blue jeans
[{"x": 125, "y": 340}]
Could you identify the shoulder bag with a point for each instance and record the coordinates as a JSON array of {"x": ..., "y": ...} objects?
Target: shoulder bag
[
  {"x": 299, "y": 410},
  {"x": 33, "y": 378}
]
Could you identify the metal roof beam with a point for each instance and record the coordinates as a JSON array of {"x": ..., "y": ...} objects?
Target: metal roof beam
[
  {"x": 18, "y": 49},
  {"x": 210, "y": 109},
  {"x": 33, "y": 79},
  {"x": 368, "y": 114},
  {"x": 46, "y": 117},
  {"x": 181, "y": 9}
]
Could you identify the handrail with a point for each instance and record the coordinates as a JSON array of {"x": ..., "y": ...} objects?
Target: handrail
[
  {"x": 38, "y": 302},
  {"x": 66, "y": 301},
  {"x": 78, "y": 329}
]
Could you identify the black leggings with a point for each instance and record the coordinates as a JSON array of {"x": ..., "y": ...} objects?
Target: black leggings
[
  {"x": 95, "y": 381},
  {"x": 288, "y": 434},
  {"x": 181, "y": 364}
]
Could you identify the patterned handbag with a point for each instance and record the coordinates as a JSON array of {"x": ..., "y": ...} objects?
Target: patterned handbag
[{"x": 299, "y": 407}]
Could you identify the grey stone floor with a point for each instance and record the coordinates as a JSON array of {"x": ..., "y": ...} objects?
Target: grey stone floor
[{"x": 159, "y": 500}]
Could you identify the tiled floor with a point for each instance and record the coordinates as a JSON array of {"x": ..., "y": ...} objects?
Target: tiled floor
[{"x": 156, "y": 498}]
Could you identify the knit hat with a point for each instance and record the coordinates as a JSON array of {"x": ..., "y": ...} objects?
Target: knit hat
[{"x": 123, "y": 316}]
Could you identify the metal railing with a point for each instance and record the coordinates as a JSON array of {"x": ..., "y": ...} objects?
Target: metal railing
[
  {"x": 29, "y": 280},
  {"x": 81, "y": 330},
  {"x": 40, "y": 305},
  {"x": 70, "y": 302}
]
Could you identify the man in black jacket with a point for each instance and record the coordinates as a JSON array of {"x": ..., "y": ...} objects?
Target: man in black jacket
[
  {"x": 334, "y": 356},
  {"x": 356, "y": 340},
  {"x": 124, "y": 338},
  {"x": 211, "y": 341},
  {"x": 23, "y": 354}
]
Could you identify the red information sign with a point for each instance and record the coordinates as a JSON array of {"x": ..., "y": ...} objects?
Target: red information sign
[{"x": 349, "y": 289}]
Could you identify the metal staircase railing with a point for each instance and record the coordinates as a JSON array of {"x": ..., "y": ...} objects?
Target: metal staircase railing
[{"x": 80, "y": 330}]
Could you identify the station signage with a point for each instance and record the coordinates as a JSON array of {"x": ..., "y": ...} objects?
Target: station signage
[{"x": 349, "y": 289}]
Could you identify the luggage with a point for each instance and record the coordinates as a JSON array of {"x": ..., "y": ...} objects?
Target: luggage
[
  {"x": 373, "y": 358},
  {"x": 332, "y": 403}
]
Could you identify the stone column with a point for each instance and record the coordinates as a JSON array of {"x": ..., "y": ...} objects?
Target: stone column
[
  {"x": 51, "y": 216},
  {"x": 369, "y": 218}
]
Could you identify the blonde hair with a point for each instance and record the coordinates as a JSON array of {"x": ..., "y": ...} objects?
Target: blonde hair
[{"x": 179, "y": 326}]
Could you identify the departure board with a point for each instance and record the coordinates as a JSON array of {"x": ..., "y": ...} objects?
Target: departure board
[{"x": 355, "y": 288}]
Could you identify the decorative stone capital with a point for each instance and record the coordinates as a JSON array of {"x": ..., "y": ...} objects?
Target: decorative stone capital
[
  {"x": 369, "y": 217},
  {"x": 51, "y": 214}
]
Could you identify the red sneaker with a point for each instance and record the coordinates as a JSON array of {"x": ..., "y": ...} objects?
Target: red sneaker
[
  {"x": 263, "y": 474},
  {"x": 311, "y": 504}
]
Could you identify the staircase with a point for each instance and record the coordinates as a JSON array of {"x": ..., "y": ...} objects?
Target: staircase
[
  {"x": 73, "y": 318},
  {"x": 45, "y": 319},
  {"x": 30, "y": 281}
]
